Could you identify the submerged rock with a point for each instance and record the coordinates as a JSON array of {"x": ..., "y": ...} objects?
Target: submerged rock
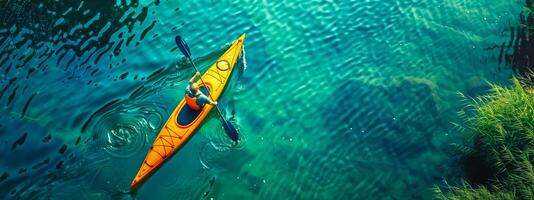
[{"x": 399, "y": 118}]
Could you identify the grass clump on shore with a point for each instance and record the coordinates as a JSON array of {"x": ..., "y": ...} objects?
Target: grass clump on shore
[{"x": 500, "y": 163}]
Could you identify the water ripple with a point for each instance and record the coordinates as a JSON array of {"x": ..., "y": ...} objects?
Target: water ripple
[{"x": 124, "y": 132}]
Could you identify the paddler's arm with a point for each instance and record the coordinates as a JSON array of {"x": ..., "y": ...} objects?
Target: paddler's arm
[
  {"x": 213, "y": 103},
  {"x": 192, "y": 80},
  {"x": 206, "y": 99}
]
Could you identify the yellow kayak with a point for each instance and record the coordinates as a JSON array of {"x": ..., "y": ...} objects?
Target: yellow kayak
[{"x": 184, "y": 121}]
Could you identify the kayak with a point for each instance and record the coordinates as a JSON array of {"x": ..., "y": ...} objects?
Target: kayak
[{"x": 184, "y": 121}]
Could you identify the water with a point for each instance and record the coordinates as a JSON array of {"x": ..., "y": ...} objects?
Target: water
[{"x": 333, "y": 99}]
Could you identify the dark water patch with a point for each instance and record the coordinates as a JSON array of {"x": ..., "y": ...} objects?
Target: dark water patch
[
  {"x": 123, "y": 76},
  {"x": 63, "y": 149},
  {"x": 94, "y": 72},
  {"x": 3, "y": 38},
  {"x": 11, "y": 81},
  {"x": 3, "y": 177},
  {"x": 130, "y": 39},
  {"x": 87, "y": 68},
  {"x": 77, "y": 141},
  {"x": 23, "y": 170},
  {"x": 117, "y": 49},
  {"x": 209, "y": 190},
  {"x": 59, "y": 164},
  {"x": 41, "y": 164},
  {"x": 212, "y": 181},
  {"x": 27, "y": 59},
  {"x": 27, "y": 105},
  {"x": 42, "y": 65},
  {"x": 8, "y": 68},
  {"x": 30, "y": 71},
  {"x": 69, "y": 63},
  {"x": 51, "y": 179},
  {"x": 46, "y": 138},
  {"x": 19, "y": 142},
  {"x": 143, "y": 34},
  {"x": 206, "y": 194},
  {"x": 60, "y": 58},
  {"x": 45, "y": 53},
  {"x": 103, "y": 52}
]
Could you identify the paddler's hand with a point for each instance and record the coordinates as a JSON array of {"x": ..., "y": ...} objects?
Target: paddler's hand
[
  {"x": 197, "y": 74},
  {"x": 214, "y": 103}
]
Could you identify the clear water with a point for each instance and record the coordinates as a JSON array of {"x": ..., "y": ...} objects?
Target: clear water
[{"x": 333, "y": 99}]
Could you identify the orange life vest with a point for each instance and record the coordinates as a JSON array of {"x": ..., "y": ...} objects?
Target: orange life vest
[{"x": 192, "y": 102}]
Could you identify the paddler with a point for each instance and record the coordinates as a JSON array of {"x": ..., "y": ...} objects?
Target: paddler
[{"x": 195, "y": 98}]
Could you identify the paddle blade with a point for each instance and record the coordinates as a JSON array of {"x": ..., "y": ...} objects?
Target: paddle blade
[
  {"x": 182, "y": 46},
  {"x": 230, "y": 130}
]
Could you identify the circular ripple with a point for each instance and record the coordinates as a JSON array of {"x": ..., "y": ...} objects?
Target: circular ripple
[
  {"x": 124, "y": 132},
  {"x": 124, "y": 135}
]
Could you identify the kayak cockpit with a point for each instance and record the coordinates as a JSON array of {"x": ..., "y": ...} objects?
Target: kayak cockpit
[{"x": 187, "y": 115}]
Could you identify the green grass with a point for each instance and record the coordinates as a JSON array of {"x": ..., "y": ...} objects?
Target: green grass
[
  {"x": 466, "y": 192},
  {"x": 500, "y": 163}
]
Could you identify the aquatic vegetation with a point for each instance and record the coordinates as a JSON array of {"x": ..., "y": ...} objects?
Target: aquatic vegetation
[
  {"x": 468, "y": 192},
  {"x": 500, "y": 163}
]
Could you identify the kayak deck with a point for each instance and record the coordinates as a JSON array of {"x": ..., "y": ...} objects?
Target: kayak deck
[{"x": 184, "y": 121}]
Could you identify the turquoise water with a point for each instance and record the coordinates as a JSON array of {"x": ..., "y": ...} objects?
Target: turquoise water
[{"x": 333, "y": 99}]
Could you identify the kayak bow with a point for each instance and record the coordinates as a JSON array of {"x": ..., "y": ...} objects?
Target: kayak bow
[{"x": 184, "y": 121}]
